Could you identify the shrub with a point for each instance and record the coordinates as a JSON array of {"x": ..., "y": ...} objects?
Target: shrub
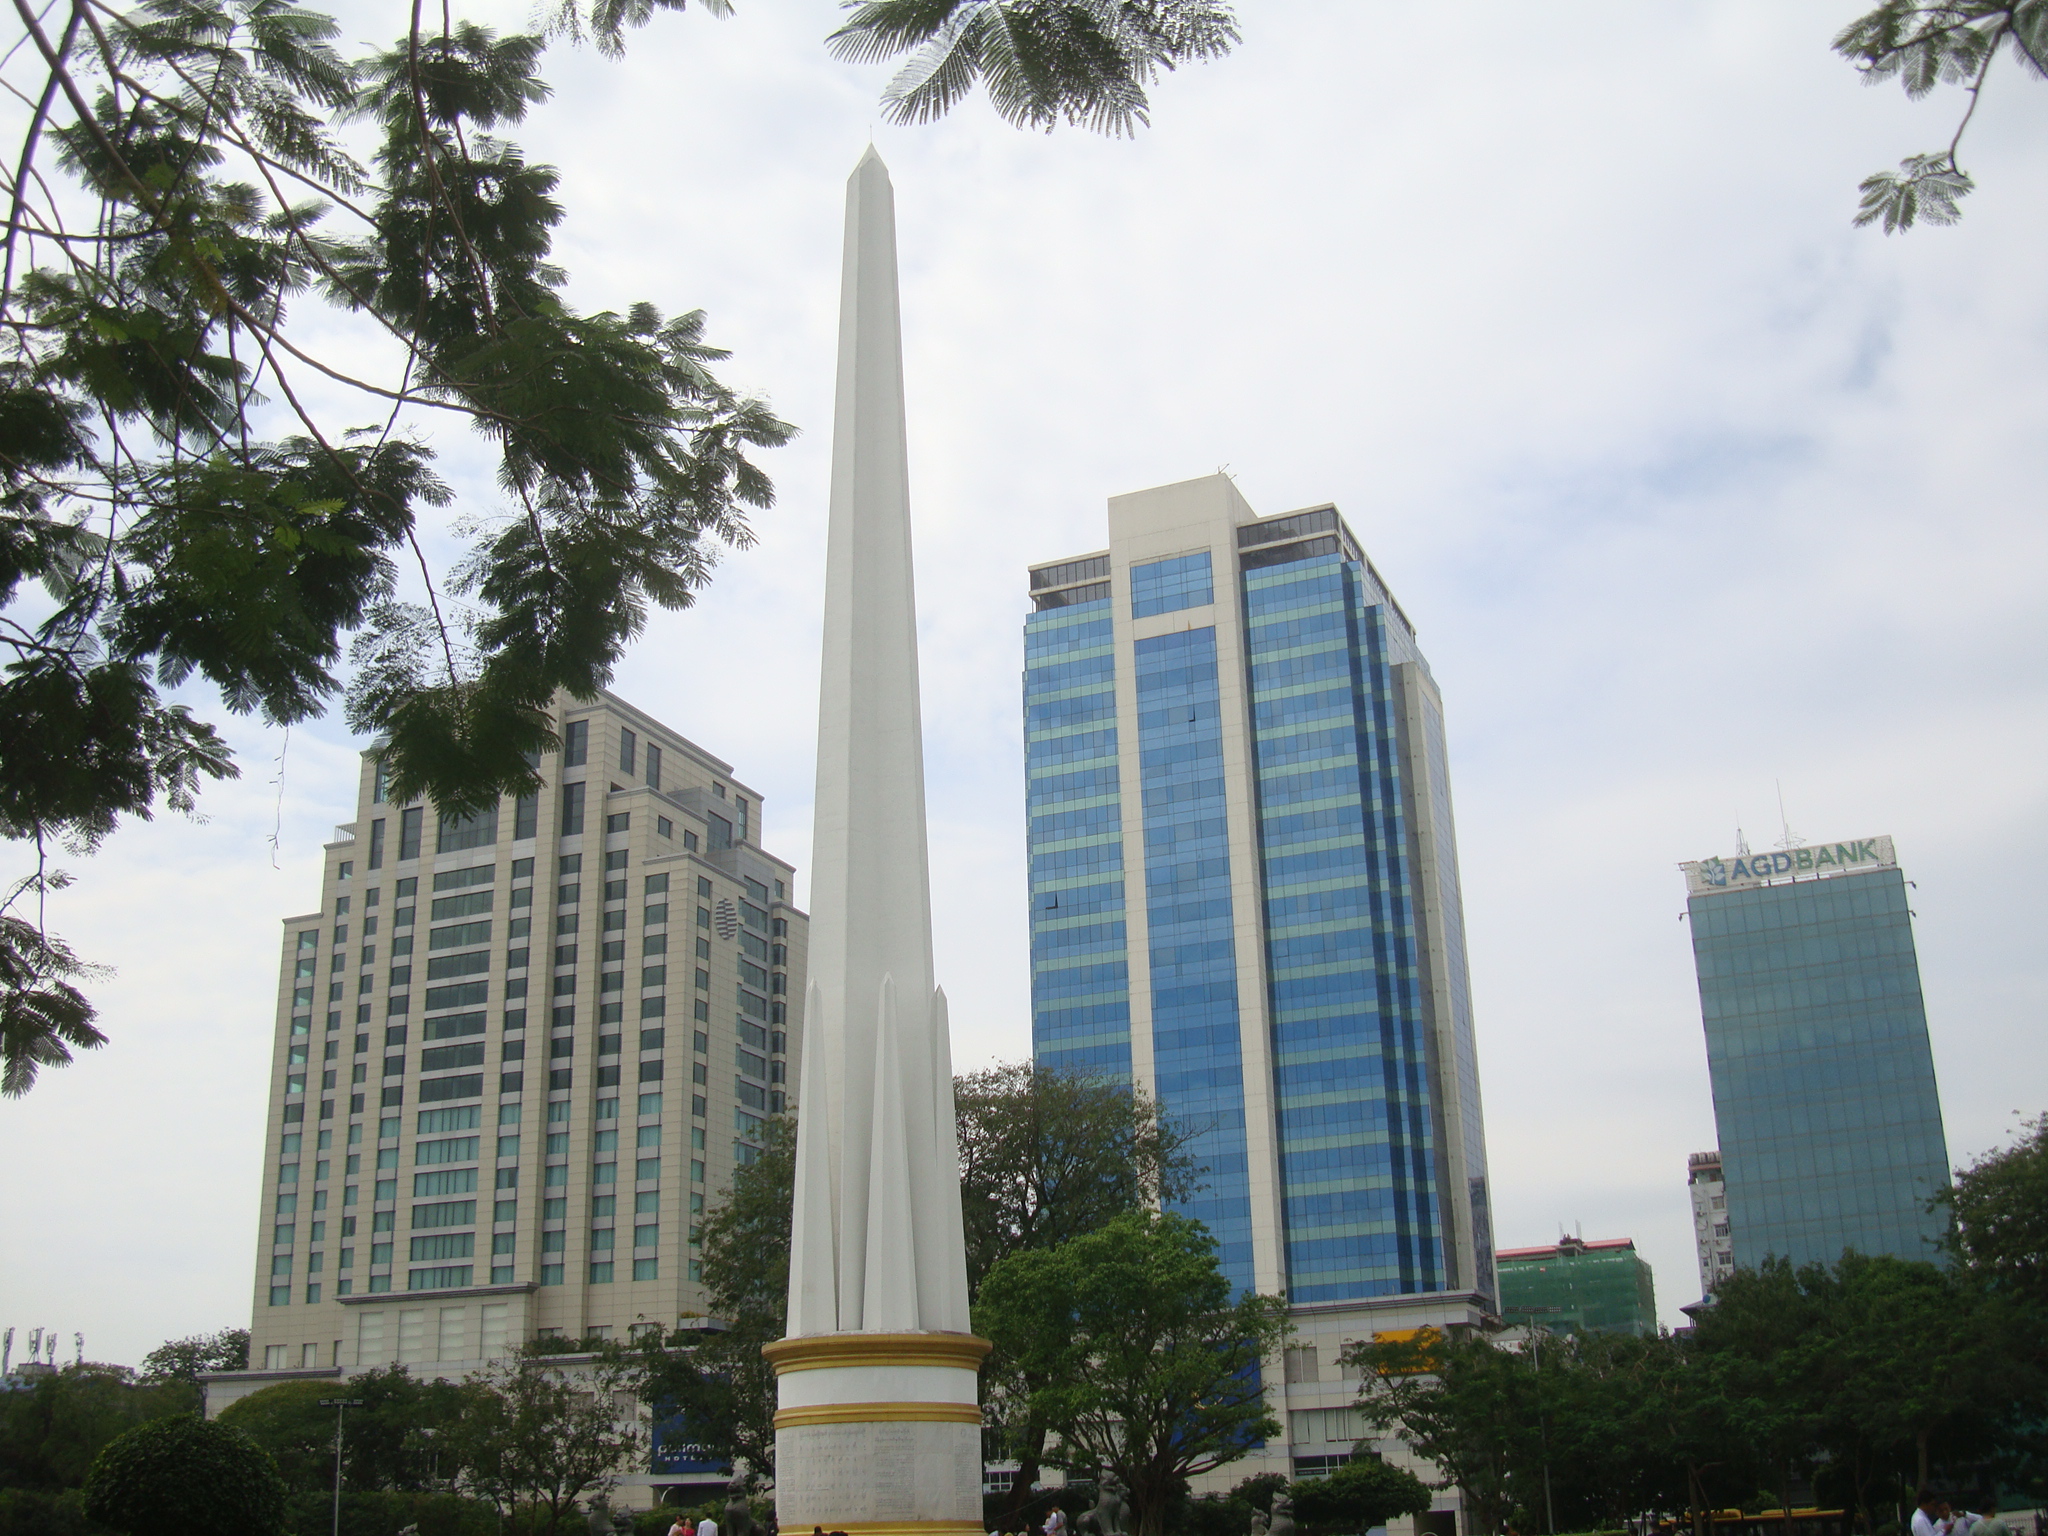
[
  {"x": 384, "y": 1513},
  {"x": 186, "y": 1477},
  {"x": 44, "y": 1512},
  {"x": 1357, "y": 1496}
]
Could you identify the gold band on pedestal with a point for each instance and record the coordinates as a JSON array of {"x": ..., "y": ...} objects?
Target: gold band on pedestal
[
  {"x": 878, "y": 1413},
  {"x": 824, "y": 1351}
]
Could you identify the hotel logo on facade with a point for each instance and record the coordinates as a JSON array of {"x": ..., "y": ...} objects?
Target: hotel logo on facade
[{"x": 1705, "y": 876}]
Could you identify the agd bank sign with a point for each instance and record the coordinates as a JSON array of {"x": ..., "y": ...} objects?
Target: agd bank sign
[{"x": 1705, "y": 876}]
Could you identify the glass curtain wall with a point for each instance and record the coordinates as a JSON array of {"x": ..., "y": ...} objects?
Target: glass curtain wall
[{"x": 1351, "y": 1037}]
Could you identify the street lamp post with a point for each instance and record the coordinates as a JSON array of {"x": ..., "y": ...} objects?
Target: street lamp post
[
  {"x": 341, "y": 1406},
  {"x": 1542, "y": 1428}
]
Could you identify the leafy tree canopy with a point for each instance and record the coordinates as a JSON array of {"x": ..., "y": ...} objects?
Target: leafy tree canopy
[
  {"x": 529, "y": 1436},
  {"x": 2000, "y": 1204},
  {"x": 189, "y": 1358},
  {"x": 247, "y": 286},
  {"x": 1923, "y": 44},
  {"x": 1363, "y": 1493},
  {"x": 1047, "y": 1155},
  {"x": 384, "y": 1447},
  {"x": 1133, "y": 1352},
  {"x": 52, "y": 1429},
  {"x": 1044, "y": 62}
]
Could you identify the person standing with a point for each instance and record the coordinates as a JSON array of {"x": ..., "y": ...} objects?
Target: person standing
[
  {"x": 709, "y": 1527},
  {"x": 1926, "y": 1514}
]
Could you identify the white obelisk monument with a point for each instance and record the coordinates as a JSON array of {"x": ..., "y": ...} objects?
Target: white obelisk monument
[{"x": 878, "y": 1432}]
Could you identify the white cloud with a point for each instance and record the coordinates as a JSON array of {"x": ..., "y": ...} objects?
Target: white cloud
[{"x": 1689, "y": 487}]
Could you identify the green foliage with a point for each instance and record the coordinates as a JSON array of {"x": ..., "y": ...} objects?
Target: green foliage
[
  {"x": 185, "y": 1476},
  {"x": 1897, "y": 1367},
  {"x": 42, "y": 1015},
  {"x": 40, "y": 1512},
  {"x": 233, "y": 350},
  {"x": 1226, "y": 1514},
  {"x": 186, "y": 1359},
  {"x": 288, "y": 1422},
  {"x": 1085, "y": 62},
  {"x": 206, "y": 478},
  {"x": 2000, "y": 1204},
  {"x": 383, "y": 1447},
  {"x": 1357, "y": 1496},
  {"x": 1923, "y": 44},
  {"x": 1867, "y": 1376},
  {"x": 1461, "y": 1403},
  {"x": 533, "y": 1439},
  {"x": 716, "y": 1381},
  {"x": 1046, "y": 1156},
  {"x": 1127, "y": 1344},
  {"x": 388, "y": 1513},
  {"x": 51, "y": 1431}
]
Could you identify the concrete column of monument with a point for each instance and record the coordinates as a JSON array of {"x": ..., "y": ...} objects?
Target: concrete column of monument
[{"x": 878, "y": 1432}]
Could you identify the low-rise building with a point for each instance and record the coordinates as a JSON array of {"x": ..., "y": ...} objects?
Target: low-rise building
[
  {"x": 1710, "y": 1234},
  {"x": 1573, "y": 1286}
]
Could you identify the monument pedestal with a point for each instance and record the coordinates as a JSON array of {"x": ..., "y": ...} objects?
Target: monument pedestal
[{"x": 878, "y": 1434}]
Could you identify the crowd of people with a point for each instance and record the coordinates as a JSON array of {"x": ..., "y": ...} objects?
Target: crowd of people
[{"x": 1934, "y": 1515}]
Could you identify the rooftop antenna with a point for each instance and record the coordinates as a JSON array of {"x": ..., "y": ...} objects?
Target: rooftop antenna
[
  {"x": 1791, "y": 839},
  {"x": 1741, "y": 842},
  {"x": 6, "y": 1350},
  {"x": 78, "y": 1342}
]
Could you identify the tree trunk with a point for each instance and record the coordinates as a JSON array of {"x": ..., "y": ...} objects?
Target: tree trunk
[
  {"x": 1028, "y": 1452},
  {"x": 1920, "y": 1449},
  {"x": 1150, "y": 1515}
]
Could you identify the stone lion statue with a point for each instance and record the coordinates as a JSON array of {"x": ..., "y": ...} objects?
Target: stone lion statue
[
  {"x": 1282, "y": 1523},
  {"x": 739, "y": 1513},
  {"x": 1111, "y": 1515}
]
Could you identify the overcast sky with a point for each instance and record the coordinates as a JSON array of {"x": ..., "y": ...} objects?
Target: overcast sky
[{"x": 1691, "y": 490}]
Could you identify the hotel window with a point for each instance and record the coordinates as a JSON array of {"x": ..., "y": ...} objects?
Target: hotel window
[
  {"x": 457, "y": 833},
  {"x": 410, "y": 824},
  {"x": 575, "y": 743},
  {"x": 653, "y": 766},
  {"x": 572, "y": 809},
  {"x": 525, "y": 816},
  {"x": 628, "y": 749},
  {"x": 376, "y": 860}
]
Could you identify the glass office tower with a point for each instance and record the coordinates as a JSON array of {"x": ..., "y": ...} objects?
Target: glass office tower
[
  {"x": 1823, "y": 1079},
  {"x": 1244, "y": 894}
]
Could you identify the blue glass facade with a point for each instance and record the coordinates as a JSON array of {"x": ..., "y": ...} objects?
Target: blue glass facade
[
  {"x": 1167, "y": 586},
  {"x": 1824, "y": 1090},
  {"x": 1292, "y": 989},
  {"x": 1351, "y": 1038},
  {"x": 1080, "y": 973},
  {"x": 1198, "y": 1069}
]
